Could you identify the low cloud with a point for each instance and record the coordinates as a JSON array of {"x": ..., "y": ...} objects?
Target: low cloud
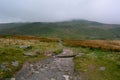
[{"x": 106, "y": 11}]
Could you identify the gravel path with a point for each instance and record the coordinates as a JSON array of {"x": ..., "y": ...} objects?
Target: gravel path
[{"x": 54, "y": 68}]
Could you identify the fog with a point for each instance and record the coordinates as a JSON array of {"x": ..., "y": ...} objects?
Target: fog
[{"x": 105, "y": 11}]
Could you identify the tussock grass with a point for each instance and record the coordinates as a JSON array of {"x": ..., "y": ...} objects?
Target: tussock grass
[{"x": 42, "y": 39}]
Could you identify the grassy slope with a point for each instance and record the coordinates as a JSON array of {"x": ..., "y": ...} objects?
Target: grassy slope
[
  {"x": 88, "y": 65},
  {"x": 95, "y": 63},
  {"x": 79, "y": 29},
  {"x": 10, "y": 52}
]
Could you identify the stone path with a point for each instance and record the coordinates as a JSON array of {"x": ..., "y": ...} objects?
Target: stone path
[{"x": 55, "y": 68}]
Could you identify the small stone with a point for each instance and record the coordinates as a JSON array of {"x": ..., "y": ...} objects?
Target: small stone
[
  {"x": 29, "y": 73},
  {"x": 12, "y": 79},
  {"x": 3, "y": 67},
  {"x": 80, "y": 54},
  {"x": 31, "y": 65},
  {"x": 30, "y": 54},
  {"x": 66, "y": 70},
  {"x": 15, "y": 64},
  {"x": 53, "y": 79},
  {"x": 32, "y": 69},
  {"x": 46, "y": 67},
  {"x": 22, "y": 78},
  {"x": 36, "y": 72},
  {"x": 102, "y": 68},
  {"x": 26, "y": 47},
  {"x": 42, "y": 69},
  {"x": 66, "y": 77}
]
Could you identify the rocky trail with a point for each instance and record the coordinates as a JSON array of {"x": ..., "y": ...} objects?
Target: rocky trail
[{"x": 60, "y": 67}]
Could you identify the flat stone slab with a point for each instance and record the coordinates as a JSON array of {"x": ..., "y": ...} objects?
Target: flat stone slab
[
  {"x": 51, "y": 69},
  {"x": 66, "y": 54}
]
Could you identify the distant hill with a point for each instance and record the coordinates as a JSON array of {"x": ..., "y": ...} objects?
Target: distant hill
[{"x": 74, "y": 29}]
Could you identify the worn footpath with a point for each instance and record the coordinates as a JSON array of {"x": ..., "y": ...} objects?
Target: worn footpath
[{"x": 55, "y": 68}]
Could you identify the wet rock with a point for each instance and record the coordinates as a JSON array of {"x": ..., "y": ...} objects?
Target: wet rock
[{"x": 16, "y": 64}]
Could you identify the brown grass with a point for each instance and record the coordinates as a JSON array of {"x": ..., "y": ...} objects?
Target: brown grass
[
  {"x": 113, "y": 45},
  {"x": 30, "y": 38}
]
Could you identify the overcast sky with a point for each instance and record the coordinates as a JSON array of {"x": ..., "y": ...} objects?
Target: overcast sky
[{"x": 106, "y": 11}]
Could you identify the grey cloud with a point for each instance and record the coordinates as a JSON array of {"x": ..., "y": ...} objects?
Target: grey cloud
[{"x": 106, "y": 11}]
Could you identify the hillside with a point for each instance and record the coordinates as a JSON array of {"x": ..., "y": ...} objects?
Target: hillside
[
  {"x": 34, "y": 58},
  {"x": 75, "y": 29}
]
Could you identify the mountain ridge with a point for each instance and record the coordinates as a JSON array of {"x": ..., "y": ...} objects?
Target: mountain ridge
[{"x": 74, "y": 29}]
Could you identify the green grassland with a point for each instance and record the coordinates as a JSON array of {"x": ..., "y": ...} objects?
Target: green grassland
[{"x": 95, "y": 64}]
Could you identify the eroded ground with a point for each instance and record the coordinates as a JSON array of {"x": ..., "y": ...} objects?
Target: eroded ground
[{"x": 54, "y": 68}]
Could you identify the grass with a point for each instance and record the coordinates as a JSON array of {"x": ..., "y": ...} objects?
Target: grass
[
  {"x": 42, "y": 39},
  {"x": 10, "y": 51},
  {"x": 90, "y": 63},
  {"x": 97, "y": 60},
  {"x": 110, "y": 45}
]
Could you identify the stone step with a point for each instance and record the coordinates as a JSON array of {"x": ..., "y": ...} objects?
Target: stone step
[{"x": 65, "y": 56}]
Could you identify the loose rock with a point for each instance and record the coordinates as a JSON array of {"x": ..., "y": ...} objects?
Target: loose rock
[
  {"x": 66, "y": 77},
  {"x": 16, "y": 64},
  {"x": 102, "y": 68},
  {"x": 12, "y": 79},
  {"x": 32, "y": 54},
  {"x": 53, "y": 79},
  {"x": 80, "y": 54},
  {"x": 26, "y": 47}
]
